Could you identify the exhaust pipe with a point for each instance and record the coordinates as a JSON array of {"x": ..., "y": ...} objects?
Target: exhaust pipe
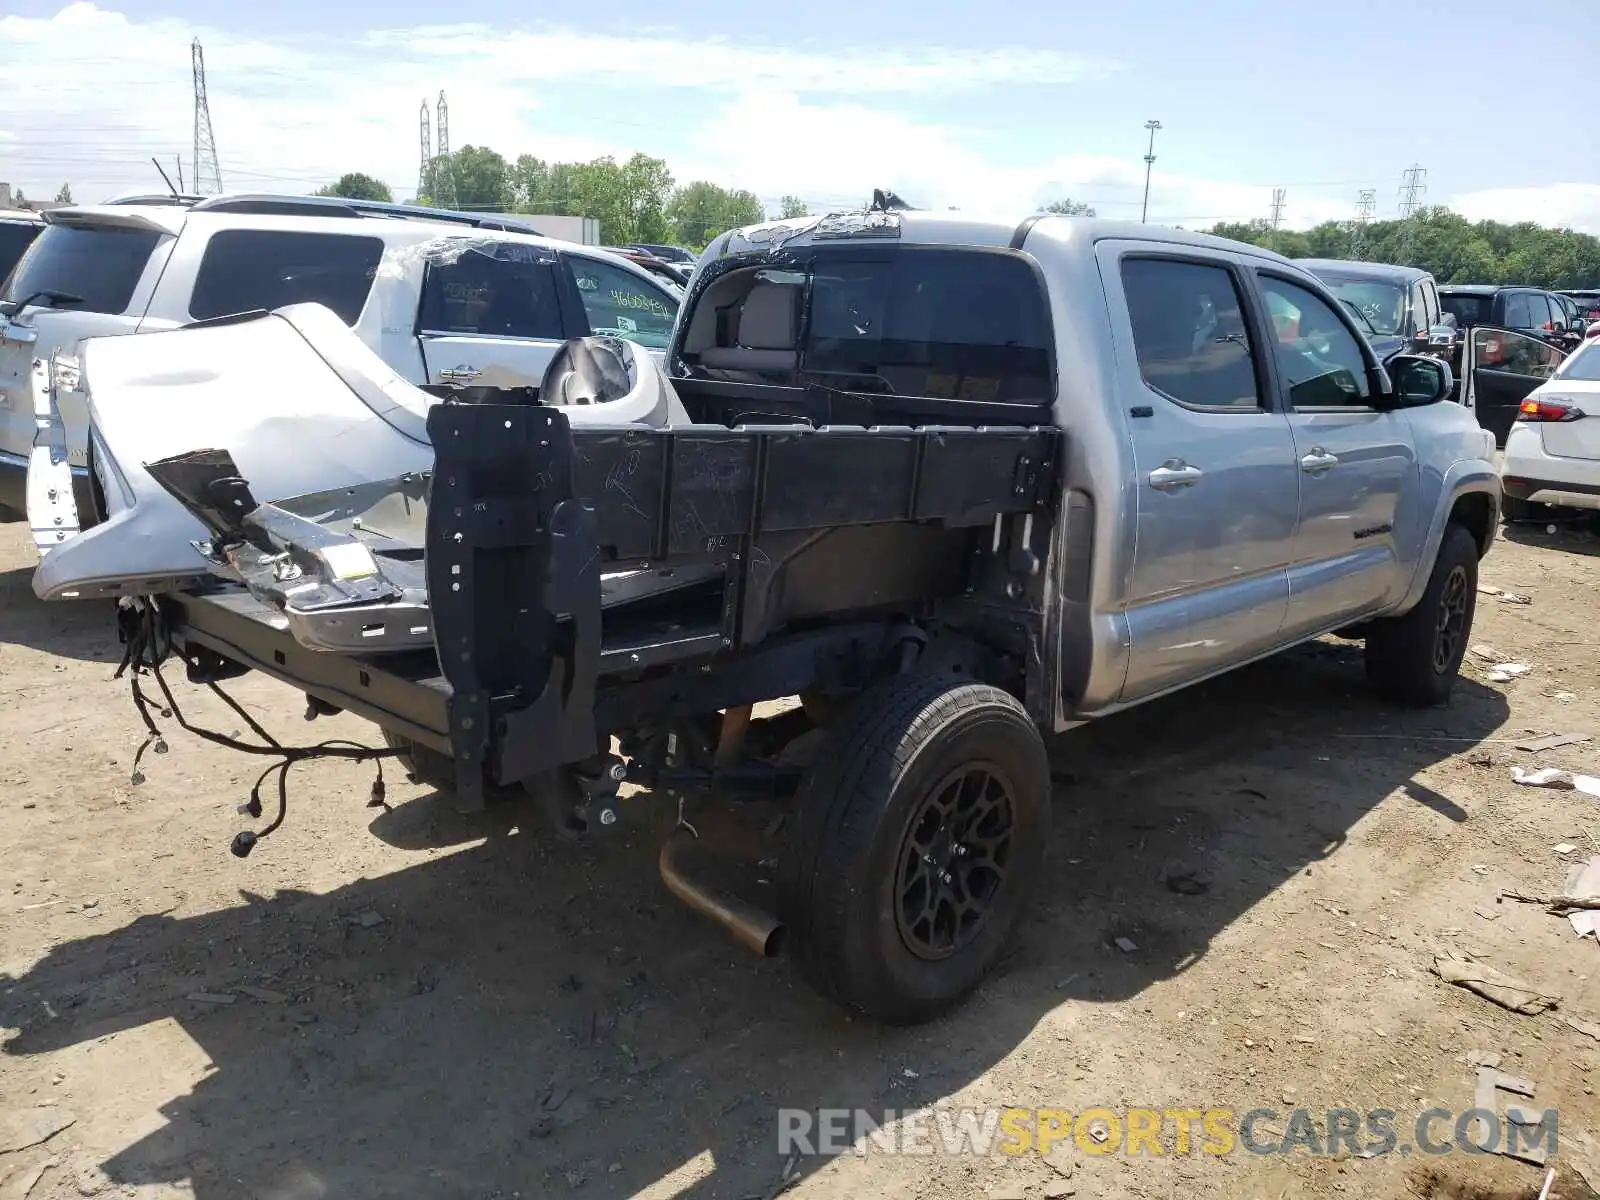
[{"x": 750, "y": 925}]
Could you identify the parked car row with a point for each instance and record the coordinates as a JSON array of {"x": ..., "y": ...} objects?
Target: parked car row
[
  {"x": 1548, "y": 315},
  {"x": 449, "y": 300}
]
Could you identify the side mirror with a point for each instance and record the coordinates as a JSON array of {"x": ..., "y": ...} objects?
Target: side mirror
[{"x": 1418, "y": 381}]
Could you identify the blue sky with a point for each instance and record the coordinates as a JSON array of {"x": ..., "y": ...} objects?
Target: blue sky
[{"x": 1002, "y": 105}]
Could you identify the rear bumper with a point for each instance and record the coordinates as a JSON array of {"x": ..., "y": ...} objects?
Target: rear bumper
[
  {"x": 1528, "y": 473},
  {"x": 1551, "y": 491},
  {"x": 14, "y": 487}
]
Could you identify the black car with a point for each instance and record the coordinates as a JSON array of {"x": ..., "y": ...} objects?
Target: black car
[
  {"x": 1587, "y": 303},
  {"x": 1399, "y": 305},
  {"x": 1529, "y": 310}
]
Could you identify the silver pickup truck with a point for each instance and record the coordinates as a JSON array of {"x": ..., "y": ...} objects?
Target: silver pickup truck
[{"x": 955, "y": 484}]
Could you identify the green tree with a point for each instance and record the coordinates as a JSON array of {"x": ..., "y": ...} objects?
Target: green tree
[
  {"x": 1447, "y": 245},
  {"x": 629, "y": 199},
  {"x": 473, "y": 178},
  {"x": 792, "y": 206},
  {"x": 700, "y": 211},
  {"x": 355, "y": 185},
  {"x": 1068, "y": 208},
  {"x": 64, "y": 196}
]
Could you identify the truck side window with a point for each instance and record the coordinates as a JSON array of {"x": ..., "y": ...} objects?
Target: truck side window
[
  {"x": 500, "y": 294},
  {"x": 246, "y": 269},
  {"x": 1519, "y": 313},
  {"x": 1189, "y": 333},
  {"x": 1319, "y": 358}
]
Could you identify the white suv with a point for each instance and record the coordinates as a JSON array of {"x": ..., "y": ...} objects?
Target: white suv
[{"x": 449, "y": 300}]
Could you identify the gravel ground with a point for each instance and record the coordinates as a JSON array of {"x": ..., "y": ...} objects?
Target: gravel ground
[{"x": 410, "y": 1002}]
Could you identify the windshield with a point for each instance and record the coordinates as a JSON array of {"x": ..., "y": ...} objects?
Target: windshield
[
  {"x": 1382, "y": 304},
  {"x": 1361, "y": 318},
  {"x": 99, "y": 264},
  {"x": 1583, "y": 366}
]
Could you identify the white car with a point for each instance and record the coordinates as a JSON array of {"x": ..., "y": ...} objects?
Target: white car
[
  {"x": 1552, "y": 453},
  {"x": 448, "y": 300}
]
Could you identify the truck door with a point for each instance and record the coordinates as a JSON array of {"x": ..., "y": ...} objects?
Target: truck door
[
  {"x": 1215, "y": 483},
  {"x": 492, "y": 316},
  {"x": 1354, "y": 461},
  {"x": 1499, "y": 367}
]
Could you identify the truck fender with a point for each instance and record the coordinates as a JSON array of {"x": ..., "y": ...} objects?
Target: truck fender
[{"x": 1466, "y": 480}]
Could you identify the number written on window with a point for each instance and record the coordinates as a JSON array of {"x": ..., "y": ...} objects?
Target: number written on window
[{"x": 621, "y": 304}]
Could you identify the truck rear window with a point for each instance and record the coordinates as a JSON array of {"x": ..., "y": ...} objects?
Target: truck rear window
[
  {"x": 98, "y": 264},
  {"x": 247, "y": 269},
  {"x": 945, "y": 324},
  {"x": 1467, "y": 309}
]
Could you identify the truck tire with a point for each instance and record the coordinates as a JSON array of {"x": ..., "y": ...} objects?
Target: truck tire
[
  {"x": 1414, "y": 658},
  {"x": 916, "y": 841}
]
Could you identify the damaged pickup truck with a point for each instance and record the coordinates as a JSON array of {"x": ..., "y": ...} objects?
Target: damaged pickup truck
[{"x": 955, "y": 484}]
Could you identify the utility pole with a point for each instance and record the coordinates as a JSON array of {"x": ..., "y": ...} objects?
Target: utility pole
[
  {"x": 427, "y": 153},
  {"x": 1278, "y": 197},
  {"x": 207, "y": 170},
  {"x": 1366, "y": 205},
  {"x": 1149, "y": 164}
]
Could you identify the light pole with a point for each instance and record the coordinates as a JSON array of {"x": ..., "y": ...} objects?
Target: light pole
[{"x": 1149, "y": 162}]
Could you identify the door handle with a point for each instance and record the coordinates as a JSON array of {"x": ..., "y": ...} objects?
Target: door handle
[
  {"x": 1174, "y": 475},
  {"x": 1318, "y": 461}
]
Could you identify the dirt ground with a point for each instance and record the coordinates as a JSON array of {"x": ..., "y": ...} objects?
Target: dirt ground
[{"x": 453, "y": 1009}]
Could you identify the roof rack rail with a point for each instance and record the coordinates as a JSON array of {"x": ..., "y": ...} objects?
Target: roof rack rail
[
  {"x": 183, "y": 199},
  {"x": 269, "y": 204}
]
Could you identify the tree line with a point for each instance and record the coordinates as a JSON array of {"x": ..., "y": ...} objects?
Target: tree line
[
  {"x": 634, "y": 201},
  {"x": 1445, "y": 244},
  {"x": 639, "y": 201}
]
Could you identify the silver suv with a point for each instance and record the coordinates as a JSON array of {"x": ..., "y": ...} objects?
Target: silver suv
[{"x": 449, "y": 300}]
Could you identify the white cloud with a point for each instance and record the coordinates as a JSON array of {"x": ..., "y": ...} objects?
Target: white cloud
[
  {"x": 1561, "y": 204},
  {"x": 91, "y": 93},
  {"x": 774, "y": 142}
]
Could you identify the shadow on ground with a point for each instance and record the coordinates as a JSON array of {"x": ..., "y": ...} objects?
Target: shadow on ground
[
  {"x": 529, "y": 1017},
  {"x": 1573, "y": 532},
  {"x": 76, "y": 629}
]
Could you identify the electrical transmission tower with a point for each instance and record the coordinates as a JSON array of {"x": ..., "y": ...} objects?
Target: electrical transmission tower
[
  {"x": 1366, "y": 205},
  {"x": 446, "y": 175},
  {"x": 1279, "y": 195},
  {"x": 427, "y": 153},
  {"x": 1413, "y": 185},
  {"x": 207, "y": 171}
]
